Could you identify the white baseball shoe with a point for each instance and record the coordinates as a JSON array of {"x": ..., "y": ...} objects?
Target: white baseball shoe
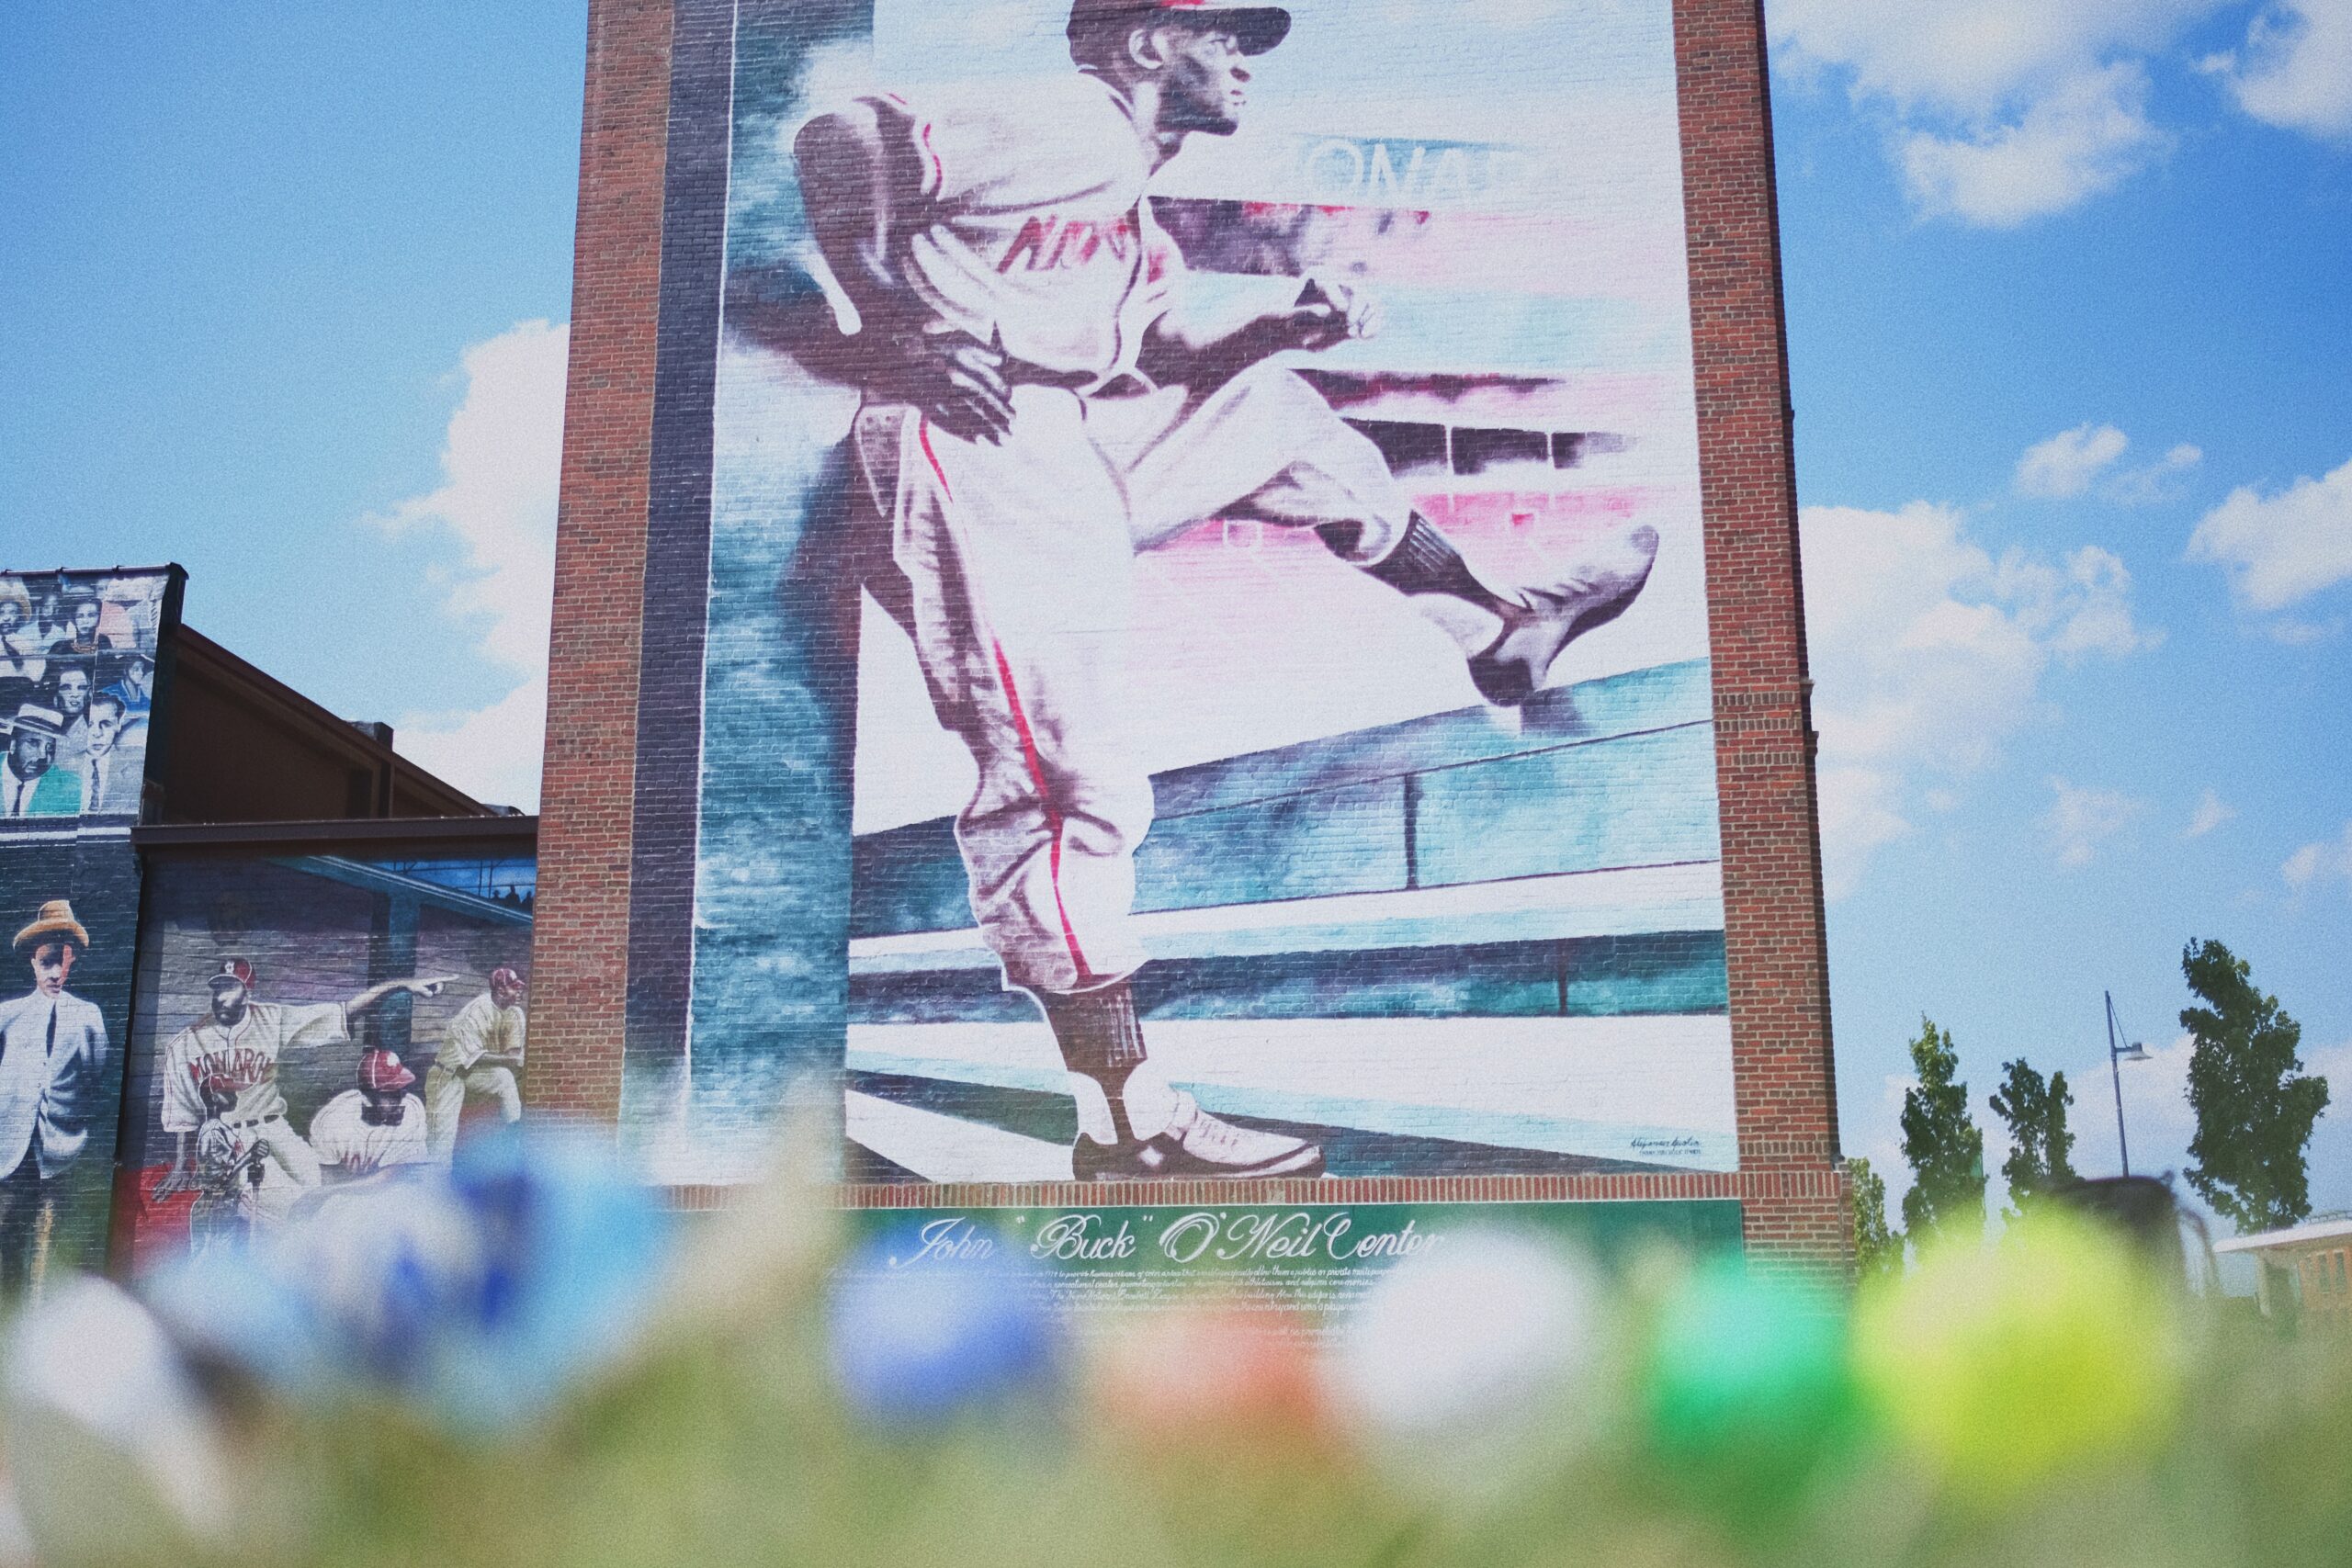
[
  {"x": 1541, "y": 621},
  {"x": 1196, "y": 1144}
]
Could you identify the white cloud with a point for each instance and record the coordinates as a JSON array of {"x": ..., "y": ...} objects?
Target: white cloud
[
  {"x": 493, "y": 753},
  {"x": 2067, "y": 463},
  {"x": 2086, "y": 135},
  {"x": 2003, "y": 111},
  {"x": 2296, "y": 70},
  {"x": 1930, "y": 653},
  {"x": 497, "y": 502},
  {"x": 2326, "y": 861},
  {"x": 2081, "y": 819},
  {"x": 2281, "y": 549},
  {"x": 1973, "y": 55},
  {"x": 2211, "y": 812},
  {"x": 2145, "y": 486}
]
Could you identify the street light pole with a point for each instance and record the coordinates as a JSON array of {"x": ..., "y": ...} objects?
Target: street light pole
[{"x": 2116, "y": 1056}]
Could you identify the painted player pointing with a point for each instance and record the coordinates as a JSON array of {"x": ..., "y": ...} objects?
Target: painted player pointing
[{"x": 1041, "y": 404}]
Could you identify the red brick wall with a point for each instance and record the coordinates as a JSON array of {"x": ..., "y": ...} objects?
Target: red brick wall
[
  {"x": 1774, "y": 934},
  {"x": 1790, "y": 1183},
  {"x": 580, "y": 954}
]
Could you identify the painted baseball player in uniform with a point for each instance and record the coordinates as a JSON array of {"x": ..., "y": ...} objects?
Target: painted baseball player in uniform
[
  {"x": 481, "y": 1053},
  {"x": 373, "y": 1129},
  {"x": 1038, "y": 408},
  {"x": 237, "y": 1048}
]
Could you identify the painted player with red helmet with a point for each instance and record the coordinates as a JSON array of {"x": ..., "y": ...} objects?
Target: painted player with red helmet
[
  {"x": 1040, "y": 404},
  {"x": 233, "y": 1052},
  {"x": 374, "y": 1129}
]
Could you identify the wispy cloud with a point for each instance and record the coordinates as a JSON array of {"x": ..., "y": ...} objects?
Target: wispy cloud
[
  {"x": 2211, "y": 813},
  {"x": 500, "y": 464},
  {"x": 2067, "y": 463},
  {"x": 2081, "y": 820},
  {"x": 2317, "y": 865},
  {"x": 2070, "y": 462}
]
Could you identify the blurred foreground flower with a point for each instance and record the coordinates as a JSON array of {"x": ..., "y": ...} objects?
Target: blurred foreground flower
[
  {"x": 1750, "y": 1392},
  {"x": 920, "y": 1336},
  {"x": 479, "y": 1296},
  {"x": 114, "y": 1455},
  {"x": 2005, "y": 1367}
]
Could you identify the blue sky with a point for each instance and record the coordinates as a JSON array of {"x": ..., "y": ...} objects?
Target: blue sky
[{"x": 2070, "y": 330}]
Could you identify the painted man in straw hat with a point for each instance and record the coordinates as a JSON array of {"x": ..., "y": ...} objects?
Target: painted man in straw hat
[{"x": 52, "y": 1054}]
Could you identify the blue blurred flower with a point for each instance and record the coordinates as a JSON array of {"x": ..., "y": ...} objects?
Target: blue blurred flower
[
  {"x": 918, "y": 1337},
  {"x": 480, "y": 1295}
]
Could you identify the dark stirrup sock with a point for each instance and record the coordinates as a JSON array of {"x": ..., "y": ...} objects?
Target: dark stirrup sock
[
  {"x": 1424, "y": 561},
  {"x": 1101, "y": 1037}
]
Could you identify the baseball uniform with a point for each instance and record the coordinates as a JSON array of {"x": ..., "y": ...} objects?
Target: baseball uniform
[
  {"x": 243, "y": 1058},
  {"x": 1032, "y": 230},
  {"x": 343, "y": 1137},
  {"x": 480, "y": 1027}
]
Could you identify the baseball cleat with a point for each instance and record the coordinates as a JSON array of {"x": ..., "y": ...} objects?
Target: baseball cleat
[
  {"x": 1196, "y": 1144},
  {"x": 1541, "y": 621}
]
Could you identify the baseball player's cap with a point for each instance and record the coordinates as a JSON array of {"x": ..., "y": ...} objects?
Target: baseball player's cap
[
  {"x": 380, "y": 1069},
  {"x": 1258, "y": 27},
  {"x": 233, "y": 972}
]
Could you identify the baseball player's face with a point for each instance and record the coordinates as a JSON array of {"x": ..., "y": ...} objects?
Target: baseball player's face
[
  {"x": 227, "y": 1003},
  {"x": 53, "y": 966},
  {"x": 1206, "y": 82},
  {"x": 505, "y": 993},
  {"x": 379, "y": 1107}
]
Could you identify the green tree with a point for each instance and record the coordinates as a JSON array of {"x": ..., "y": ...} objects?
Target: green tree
[
  {"x": 1878, "y": 1249},
  {"x": 2043, "y": 1146},
  {"x": 1942, "y": 1142},
  {"x": 2254, "y": 1108}
]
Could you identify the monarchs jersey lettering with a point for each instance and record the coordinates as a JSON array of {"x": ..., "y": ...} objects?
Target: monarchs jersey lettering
[
  {"x": 1031, "y": 228},
  {"x": 243, "y": 1056}
]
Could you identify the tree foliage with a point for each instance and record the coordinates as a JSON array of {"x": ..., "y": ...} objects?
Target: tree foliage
[
  {"x": 1942, "y": 1141},
  {"x": 2042, "y": 1145},
  {"x": 1877, "y": 1248},
  {"x": 2254, "y": 1108}
]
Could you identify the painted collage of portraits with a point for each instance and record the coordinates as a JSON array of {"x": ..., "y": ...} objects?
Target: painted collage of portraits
[
  {"x": 78, "y": 656},
  {"x": 1187, "y": 553}
]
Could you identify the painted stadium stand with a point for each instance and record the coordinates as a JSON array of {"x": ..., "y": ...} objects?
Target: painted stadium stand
[{"x": 1325, "y": 919}]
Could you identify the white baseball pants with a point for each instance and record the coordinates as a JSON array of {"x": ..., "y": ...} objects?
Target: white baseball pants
[
  {"x": 445, "y": 1093},
  {"x": 1020, "y": 556}
]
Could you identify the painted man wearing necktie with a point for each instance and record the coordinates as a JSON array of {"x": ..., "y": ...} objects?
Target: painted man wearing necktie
[
  {"x": 31, "y": 784},
  {"x": 52, "y": 1054}
]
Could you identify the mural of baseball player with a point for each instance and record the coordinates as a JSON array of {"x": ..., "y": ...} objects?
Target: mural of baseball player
[
  {"x": 237, "y": 1046},
  {"x": 481, "y": 1053},
  {"x": 376, "y": 1128},
  {"x": 52, "y": 1054},
  {"x": 1040, "y": 404}
]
